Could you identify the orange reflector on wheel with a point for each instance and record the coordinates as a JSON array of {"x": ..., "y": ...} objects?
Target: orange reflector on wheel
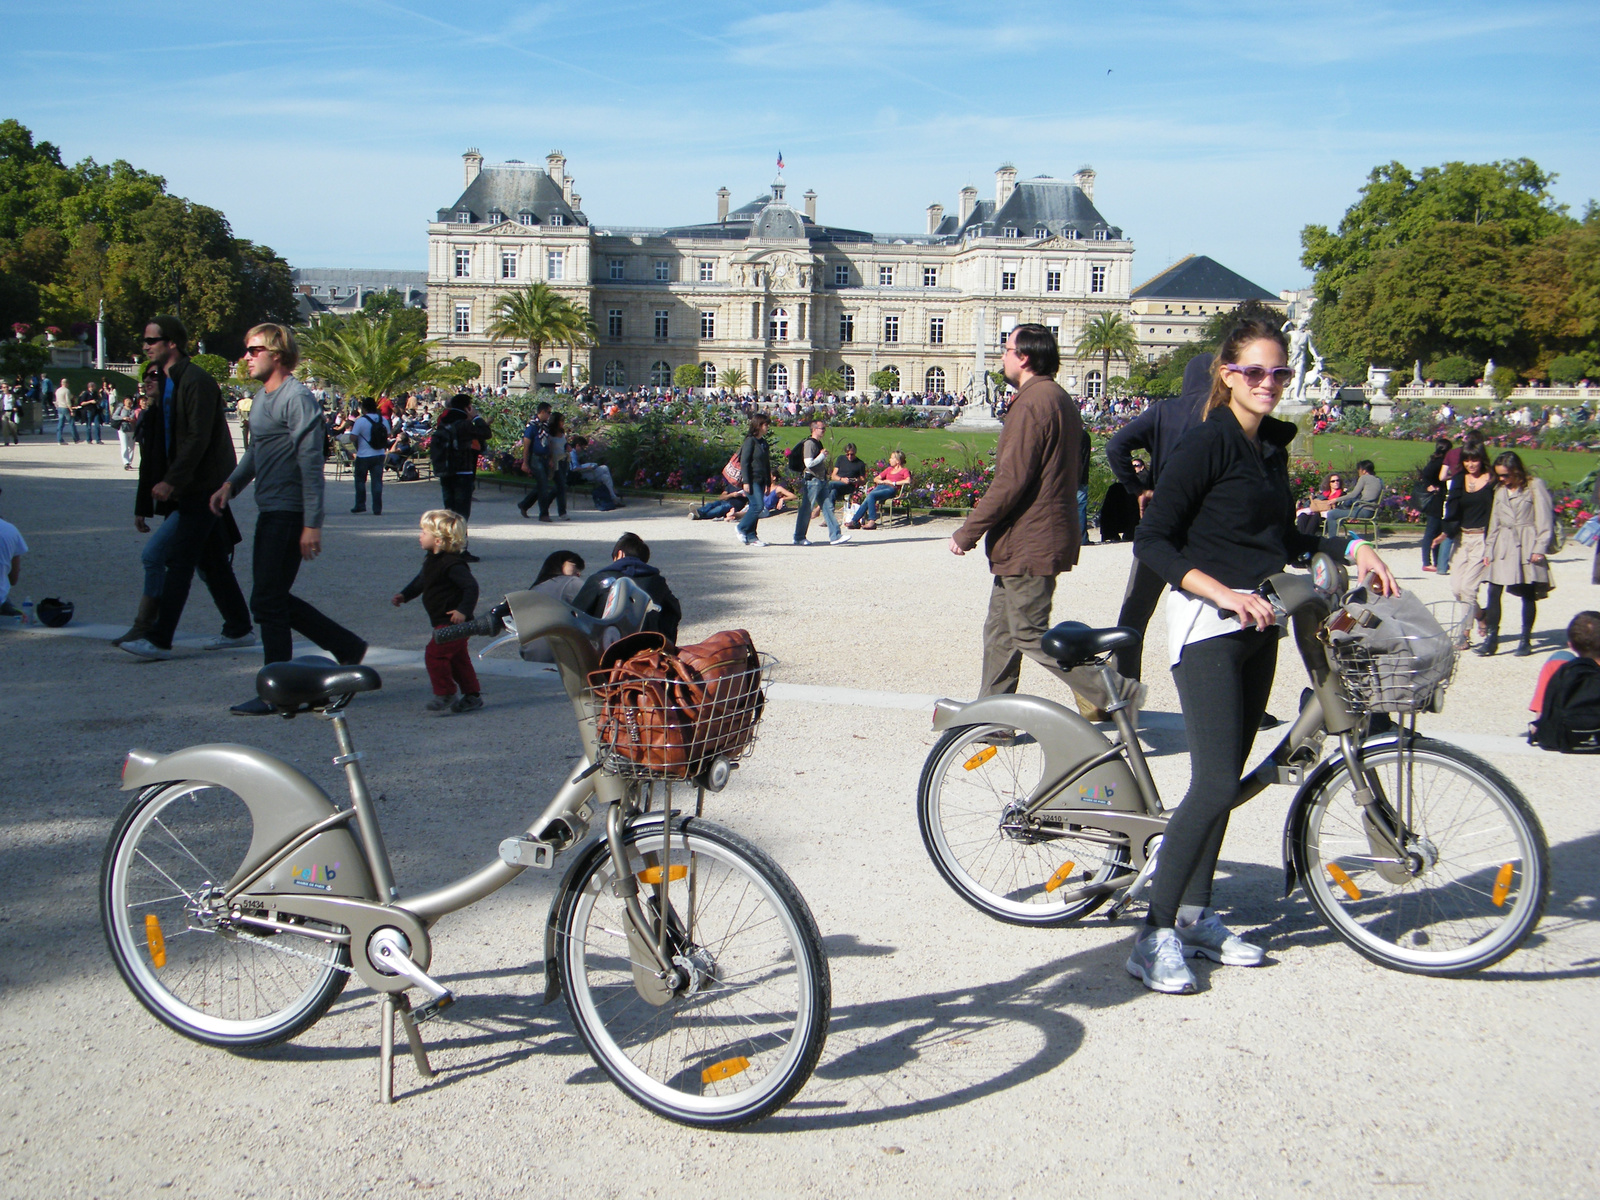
[
  {"x": 1344, "y": 881},
  {"x": 156, "y": 942},
  {"x": 652, "y": 875},
  {"x": 1502, "y": 885},
  {"x": 1060, "y": 877},
  {"x": 981, "y": 757},
  {"x": 725, "y": 1069}
]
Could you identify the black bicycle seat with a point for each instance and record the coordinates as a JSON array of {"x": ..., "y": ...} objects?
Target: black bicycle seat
[
  {"x": 1072, "y": 643},
  {"x": 312, "y": 682}
]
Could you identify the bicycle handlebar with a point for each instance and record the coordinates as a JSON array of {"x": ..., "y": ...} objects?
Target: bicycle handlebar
[{"x": 492, "y": 622}]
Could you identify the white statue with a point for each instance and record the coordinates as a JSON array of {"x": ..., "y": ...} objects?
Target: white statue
[
  {"x": 1488, "y": 371},
  {"x": 1299, "y": 331}
]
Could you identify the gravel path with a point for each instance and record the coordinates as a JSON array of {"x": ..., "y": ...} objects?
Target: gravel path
[{"x": 966, "y": 1057}]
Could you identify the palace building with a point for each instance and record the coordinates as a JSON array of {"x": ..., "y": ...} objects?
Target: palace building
[{"x": 767, "y": 289}]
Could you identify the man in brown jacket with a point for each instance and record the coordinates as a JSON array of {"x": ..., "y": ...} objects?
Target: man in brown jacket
[{"x": 1028, "y": 519}]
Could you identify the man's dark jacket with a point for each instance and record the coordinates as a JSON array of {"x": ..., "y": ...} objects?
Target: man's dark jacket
[
  {"x": 202, "y": 447},
  {"x": 1159, "y": 428},
  {"x": 591, "y": 598}
]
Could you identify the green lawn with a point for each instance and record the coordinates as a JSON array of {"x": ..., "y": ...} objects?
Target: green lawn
[
  {"x": 1558, "y": 468},
  {"x": 918, "y": 444}
]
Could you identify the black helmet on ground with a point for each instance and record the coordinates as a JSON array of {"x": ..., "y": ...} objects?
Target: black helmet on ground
[{"x": 53, "y": 612}]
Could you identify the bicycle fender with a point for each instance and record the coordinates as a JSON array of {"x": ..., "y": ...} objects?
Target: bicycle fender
[
  {"x": 282, "y": 802},
  {"x": 1066, "y": 739}
]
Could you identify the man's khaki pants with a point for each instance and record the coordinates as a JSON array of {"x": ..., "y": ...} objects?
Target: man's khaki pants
[{"x": 1019, "y": 615}]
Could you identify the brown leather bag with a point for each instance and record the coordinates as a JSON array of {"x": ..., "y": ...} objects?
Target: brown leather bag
[{"x": 731, "y": 700}]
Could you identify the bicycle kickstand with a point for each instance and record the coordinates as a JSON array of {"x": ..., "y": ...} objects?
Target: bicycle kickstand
[{"x": 392, "y": 1004}]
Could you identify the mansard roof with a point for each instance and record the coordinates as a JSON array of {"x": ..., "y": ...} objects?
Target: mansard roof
[
  {"x": 1054, "y": 205},
  {"x": 768, "y": 219},
  {"x": 511, "y": 189},
  {"x": 1196, "y": 277}
]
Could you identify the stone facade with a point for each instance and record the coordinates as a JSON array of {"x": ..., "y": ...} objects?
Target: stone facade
[
  {"x": 766, "y": 289},
  {"x": 1170, "y": 307}
]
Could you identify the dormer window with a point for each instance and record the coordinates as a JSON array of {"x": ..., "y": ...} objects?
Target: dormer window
[
  {"x": 1073, "y": 235},
  {"x": 1010, "y": 231},
  {"x": 558, "y": 219},
  {"x": 494, "y": 216},
  {"x": 524, "y": 218},
  {"x": 464, "y": 217},
  {"x": 1041, "y": 232},
  {"x": 1100, "y": 235}
]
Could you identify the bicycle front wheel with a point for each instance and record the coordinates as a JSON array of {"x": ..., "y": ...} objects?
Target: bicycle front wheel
[
  {"x": 974, "y": 786},
  {"x": 173, "y": 852},
  {"x": 738, "y": 1028},
  {"x": 1475, "y": 873}
]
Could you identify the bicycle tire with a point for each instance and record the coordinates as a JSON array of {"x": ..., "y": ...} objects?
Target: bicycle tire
[
  {"x": 961, "y": 817},
  {"x": 721, "y": 1054},
  {"x": 172, "y": 848},
  {"x": 1479, "y": 866}
]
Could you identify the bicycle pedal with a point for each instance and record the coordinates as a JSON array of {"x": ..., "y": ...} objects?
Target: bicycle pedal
[{"x": 432, "y": 1008}]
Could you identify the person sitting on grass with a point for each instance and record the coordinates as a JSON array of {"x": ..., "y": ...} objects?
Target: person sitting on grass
[
  {"x": 1568, "y": 696},
  {"x": 449, "y": 594},
  {"x": 885, "y": 484}
]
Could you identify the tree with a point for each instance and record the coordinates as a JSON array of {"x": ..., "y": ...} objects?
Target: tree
[
  {"x": 688, "y": 375},
  {"x": 828, "y": 380},
  {"x": 377, "y": 358},
  {"x": 732, "y": 378},
  {"x": 1107, "y": 334},
  {"x": 1503, "y": 381},
  {"x": 886, "y": 380},
  {"x": 538, "y": 316},
  {"x": 1454, "y": 371},
  {"x": 1568, "y": 369}
]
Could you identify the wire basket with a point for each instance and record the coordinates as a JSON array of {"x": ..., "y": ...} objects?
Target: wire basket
[
  {"x": 1411, "y": 677},
  {"x": 675, "y": 727}
]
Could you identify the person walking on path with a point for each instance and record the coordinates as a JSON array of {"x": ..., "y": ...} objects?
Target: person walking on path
[
  {"x": 194, "y": 458},
  {"x": 64, "y": 418},
  {"x": 458, "y": 438},
  {"x": 285, "y": 461},
  {"x": 1028, "y": 519},
  {"x": 816, "y": 490},
  {"x": 9, "y": 416},
  {"x": 245, "y": 401},
  {"x": 536, "y": 457},
  {"x": 556, "y": 487},
  {"x": 755, "y": 472},
  {"x": 371, "y": 435},
  {"x": 1520, "y": 526},
  {"x": 89, "y": 413},
  {"x": 449, "y": 594},
  {"x": 146, "y": 429},
  {"x": 1469, "y": 499},
  {"x": 124, "y": 416}
]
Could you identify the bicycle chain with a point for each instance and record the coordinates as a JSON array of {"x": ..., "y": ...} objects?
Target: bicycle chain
[{"x": 273, "y": 946}]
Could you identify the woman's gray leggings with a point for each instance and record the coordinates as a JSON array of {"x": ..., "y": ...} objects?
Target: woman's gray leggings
[{"x": 1223, "y": 685}]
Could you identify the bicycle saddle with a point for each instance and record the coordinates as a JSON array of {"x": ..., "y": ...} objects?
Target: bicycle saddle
[
  {"x": 1073, "y": 643},
  {"x": 312, "y": 682}
]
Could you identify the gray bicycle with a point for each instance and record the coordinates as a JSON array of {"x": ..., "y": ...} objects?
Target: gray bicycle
[
  {"x": 1421, "y": 856},
  {"x": 237, "y": 900}
]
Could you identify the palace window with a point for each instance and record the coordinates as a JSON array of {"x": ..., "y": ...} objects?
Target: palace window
[
  {"x": 930, "y": 276},
  {"x": 463, "y": 217},
  {"x": 934, "y": 380},
  {"x": 616, "y": 267},
  {"x": 1055, "y": 331},
  {"x": 464, "y": 317},
  {"x": 777, "y": 377},
  {"x": 661, "y": 324},
  {"x": 494, "y": 216},
  {"x": 1101, "y": 235},
  {"x": 614, "y": 324},
  {"x": 558, "y": 218},
  {"x": 660, "y": 374},
  {"x": 841, "y": 274},
  {"x": 615, "y": 375},
  {"x": 1093, "y": 385},
  {"x": 524, "y": 218},
  {"x": 708, "y": 326},
  {"x": 708, "y": 273},
  {"x": 1073, "y": 235},
  {"x": 708, "y": 375},
  {"x": 1008, "y": 281},
  {"x": 885, "y": 276},
  {"x": 508, "y": 264},
  {"x": 1011, "y": 231},
  {"x": 1097, "y": 279},
  {"x": 847, "y": 327},
  {"x": 891, "y": 329},
  {"x": 848, "y": 374},
  {"x": 1052, "y": 281},
  {"x": 1040, "y": 232},
  {"x": 463, "y": 263},
  {"x": 663, "y": 270},
  {"x": 936, "y": 331},
  {"x": 555, "y": 264},
  {"x": 778, "y": 325}
]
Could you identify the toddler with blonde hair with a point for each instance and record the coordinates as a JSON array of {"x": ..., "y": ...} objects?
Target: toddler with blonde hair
[{"x": 449, "y": 593}]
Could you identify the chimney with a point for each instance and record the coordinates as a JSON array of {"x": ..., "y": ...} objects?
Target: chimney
[
  {"x": 566, "y": 190},
  {"x": 722, "y": 204},
  {"x": 811, "y": 204},
  {"x": 1085, "y": 181},
  {"x": 472, "y": 163},
  {"x": 576, "y": 202},
  {"x": 1005, "y": 182},
  {"x": 556, "y": 164},
  {"x": 935, "y": 215},
  {"x": 969, "y": 201}
]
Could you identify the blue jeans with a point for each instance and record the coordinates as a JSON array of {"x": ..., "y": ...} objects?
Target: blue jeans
[
  {"x": 154, "y": 556},
  {"x": 869, "y": 507},
  {"x": 1083, "y": 516},
  {"x": 92, "y": 426},
  {"x": 65, "y": 422},
  {"x": 814, "y": 492},
  {"x": 717, "y": 508},
  {"x": 369, "y": 466},
  {"x": 752, "y": 514}
]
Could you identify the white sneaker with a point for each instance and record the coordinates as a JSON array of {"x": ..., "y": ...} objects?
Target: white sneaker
[
  {"x": 1210, "y": 938},
  {"x": 802, "y": 541},
  {"x": 145, "y": 648},
  {"x": 844, "y": 536},
  {"x": 224, "y": 642},
  {"x": 754, "y": 541}
]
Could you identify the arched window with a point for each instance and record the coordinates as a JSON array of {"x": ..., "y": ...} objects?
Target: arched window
[
  {"x": 508, "y": 372},
  {"x": 894, "y": 382},
  {"x": 552, "y": 364},
  {"x": 778, "y": 325},
  {"x": 934, "y": 381},
  {"x": 615, "y": 374},
  {"x": 660, "y": 374},
  {"x": 777, "y": 377},
  {"x": 849, "y": 375},
  {"x": 1093, "y": 385},
  {"x": 708, "y": 375}
]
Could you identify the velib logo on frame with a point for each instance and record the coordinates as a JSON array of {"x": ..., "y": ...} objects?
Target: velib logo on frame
[{"x": 318, "y": 876}]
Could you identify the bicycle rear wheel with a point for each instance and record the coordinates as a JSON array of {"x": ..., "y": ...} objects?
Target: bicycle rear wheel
[
  {"x": 741, "y": 1031},
  {"x": 173, "y": 852},
  {"x": 973, "y": 785},
  {"x": 1476, "y": 872}
]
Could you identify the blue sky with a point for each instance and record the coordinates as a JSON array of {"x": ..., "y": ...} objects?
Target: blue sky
[{"x": 333, "y": 130}]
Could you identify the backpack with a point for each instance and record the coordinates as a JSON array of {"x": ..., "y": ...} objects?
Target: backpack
[
  {"x": 408, "y": 471},
  {"x": 1570, "y": 722},
  {"x": 797, "y": 457},
  {"x": 377, "y": 432},
  {"x": 451, "y": 450}
]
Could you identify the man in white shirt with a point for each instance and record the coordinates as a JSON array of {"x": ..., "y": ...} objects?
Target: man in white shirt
[
  {"x": 10, "y": 413},
  {"x": 370, "y": 436},
  {"x": 64, "y": 419}
]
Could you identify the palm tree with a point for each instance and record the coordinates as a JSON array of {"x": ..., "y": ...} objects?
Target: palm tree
[
  {"x": 1105, "y": 335},
  {"x": 537, "y": 316},
  {"x": 731, "y": 378},
  {"x": 828, "y": 380},
  {"x": 372, "y": 358}
]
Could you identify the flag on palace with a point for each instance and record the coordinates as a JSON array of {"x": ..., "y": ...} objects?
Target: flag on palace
[{"x": 780, "y": 160}]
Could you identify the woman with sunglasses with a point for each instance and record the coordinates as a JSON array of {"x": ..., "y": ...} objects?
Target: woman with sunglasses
[
  {"x": 1520, "y": 525},
  {"x": 1221, "y": 521}
]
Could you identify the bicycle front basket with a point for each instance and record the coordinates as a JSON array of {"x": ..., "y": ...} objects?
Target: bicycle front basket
[{"x": 1389, "y": 653}]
